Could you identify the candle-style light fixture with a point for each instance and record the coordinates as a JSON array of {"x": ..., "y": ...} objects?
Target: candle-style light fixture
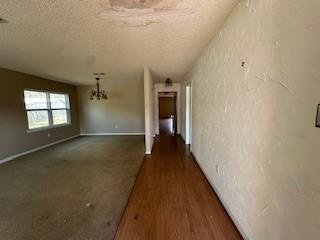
[
  {"x": 168, "y": 82},
  {"x": 98, "y": 93}
]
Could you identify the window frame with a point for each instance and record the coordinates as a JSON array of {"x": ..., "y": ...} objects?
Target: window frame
[{"x": 49, "y": 110}]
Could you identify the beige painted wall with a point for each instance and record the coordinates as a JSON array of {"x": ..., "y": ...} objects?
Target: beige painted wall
[
  {"x": 148, "y": 108},
  {"x": 14, "y": 138},
  {"x": 254, "y": 129},
  {"x": 123, "y": 112}
]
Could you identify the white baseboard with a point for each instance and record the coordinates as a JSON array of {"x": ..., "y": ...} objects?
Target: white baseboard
[
  {"x": 236, "y": 223},
  {"x": 35, "y": 149},
  {"x": 112, "y": 134}
]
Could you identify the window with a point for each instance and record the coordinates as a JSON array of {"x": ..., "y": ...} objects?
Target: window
[{"x": 46, "y": 109}]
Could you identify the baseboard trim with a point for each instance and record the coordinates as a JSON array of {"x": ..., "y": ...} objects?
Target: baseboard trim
[
  {"x": 231, "y": 216},
  {"x": 36, "y": 149},
  {"x": 112, "y": 134}
]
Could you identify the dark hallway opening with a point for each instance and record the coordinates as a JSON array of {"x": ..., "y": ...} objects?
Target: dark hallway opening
[{"x": 167, "y": 113}]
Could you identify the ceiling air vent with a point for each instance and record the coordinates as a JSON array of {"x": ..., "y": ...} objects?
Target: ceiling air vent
[{"x": 2, "y": 20}]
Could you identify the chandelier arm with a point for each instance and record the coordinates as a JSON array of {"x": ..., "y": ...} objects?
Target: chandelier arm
[{"x": 98, "y": 93}]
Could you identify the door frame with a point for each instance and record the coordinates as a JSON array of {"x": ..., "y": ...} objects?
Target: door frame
[
  {"x": 160, "y": 87},
  {"x": 188, "y": 119}
]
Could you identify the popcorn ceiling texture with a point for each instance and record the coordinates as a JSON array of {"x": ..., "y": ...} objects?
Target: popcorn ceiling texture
[
  {"x": 254, "y": 129},
  {"x": 69, "y": 40},
  {"x": 143, "y": 3},
  {"x": 138, "y": 13}
]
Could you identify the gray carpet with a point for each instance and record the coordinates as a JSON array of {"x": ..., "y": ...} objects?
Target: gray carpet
[{"x": 75, "y": 190}]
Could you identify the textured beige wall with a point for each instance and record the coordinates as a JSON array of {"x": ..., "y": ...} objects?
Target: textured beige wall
[
  {"x": 14, "y": 138},
  {"x": 123, "y": 112},
  {"x": 149, "y": 108},
  {"x": 254, "y": 129}
]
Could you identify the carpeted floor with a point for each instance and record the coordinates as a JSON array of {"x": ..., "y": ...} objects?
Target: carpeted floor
[{"x": 76, "y": 190}]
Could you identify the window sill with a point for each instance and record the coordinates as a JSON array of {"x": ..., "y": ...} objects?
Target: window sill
[{"x": 48, "y": 128}]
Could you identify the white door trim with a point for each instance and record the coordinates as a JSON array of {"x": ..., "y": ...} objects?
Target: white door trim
[
  {"x": 188, "y": 114},
  {"x": 160, "y": 87}
]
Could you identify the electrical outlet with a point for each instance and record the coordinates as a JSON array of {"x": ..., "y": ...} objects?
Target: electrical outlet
[
  {"x": 49, "y": 135},
  {"x": 217, "y": 169},
  {"x": 116, "y": 126}
]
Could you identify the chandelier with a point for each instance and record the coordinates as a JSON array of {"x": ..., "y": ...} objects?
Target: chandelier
[{"x": 98, "y": 93}]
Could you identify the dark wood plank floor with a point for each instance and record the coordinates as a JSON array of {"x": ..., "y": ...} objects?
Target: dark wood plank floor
[{"x": 172, "y": 199}]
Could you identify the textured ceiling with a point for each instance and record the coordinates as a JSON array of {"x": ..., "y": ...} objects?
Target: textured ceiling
[{"x": 69, "y": 40}]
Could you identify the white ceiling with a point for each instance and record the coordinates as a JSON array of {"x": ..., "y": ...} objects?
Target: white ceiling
[{"x": 69, "y": 40}]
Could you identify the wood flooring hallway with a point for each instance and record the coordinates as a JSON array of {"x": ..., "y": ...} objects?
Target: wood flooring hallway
[{"x": 172, "y": 200}]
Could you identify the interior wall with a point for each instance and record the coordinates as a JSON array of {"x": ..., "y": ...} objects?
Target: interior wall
[
  {"x": 255, "y": 93},
  {"x": 122, "y": 113},
  {"x": 14, "y": 138},
  {"x": 166, "y": 107},
  {"x": 149, "y": 109}
]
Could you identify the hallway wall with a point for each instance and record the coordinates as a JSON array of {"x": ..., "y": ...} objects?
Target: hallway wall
[
  {"x": 149, "y": 109},
  {"x": 255, "y": 93}
]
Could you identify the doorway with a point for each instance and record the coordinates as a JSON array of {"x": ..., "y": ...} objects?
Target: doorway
[
  {"x": 188, "y": 115},
  {"x": 162, "y": 88},
  {"x": 167, "y": 113}
]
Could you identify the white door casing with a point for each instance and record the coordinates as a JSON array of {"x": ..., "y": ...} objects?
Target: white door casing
[{"x": 160, "y": 87}]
